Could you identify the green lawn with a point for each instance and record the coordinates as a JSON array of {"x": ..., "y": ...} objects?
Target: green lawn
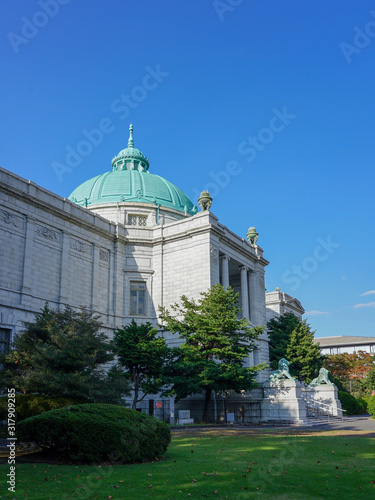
[{"x": 252, "y": 465}]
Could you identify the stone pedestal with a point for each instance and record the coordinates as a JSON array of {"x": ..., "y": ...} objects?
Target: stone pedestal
[
  {"x": 184, "y": 417},
  {"x": 283, "y": 402},
  {"x": 324, "y": 397}
]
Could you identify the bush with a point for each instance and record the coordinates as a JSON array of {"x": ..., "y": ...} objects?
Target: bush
[
  {"x": 29, "y": 405},
  {"x": 350, "y": 404},
  {"x": 97, "y": 432},
  {"x": 363, "y": 405},
  {"x": 371, "y": 406},
  {"x": 337, "y": 382}
]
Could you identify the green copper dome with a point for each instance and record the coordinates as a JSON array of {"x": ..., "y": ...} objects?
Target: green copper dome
[{"x": 130, "y": 181}]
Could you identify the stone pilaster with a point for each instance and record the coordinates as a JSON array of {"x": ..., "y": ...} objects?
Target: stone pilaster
[
  {"x": 27, "y": 285},
  {"x": 225, "y": 271}
]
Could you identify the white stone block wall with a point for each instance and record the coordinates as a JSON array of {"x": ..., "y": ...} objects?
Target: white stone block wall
[{"x": 53, "y": 250}]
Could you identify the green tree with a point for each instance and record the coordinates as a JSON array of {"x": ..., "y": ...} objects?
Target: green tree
[
  {"x": 280, "y": 330},
  {"x": 143, "y": 354},
  {"x": 62, "y": 354},
  {"x": 303, "y": 353},
  {"x": 293, "y": 339},
  {"x": 369, "y": 381},
  {"x": 215, "y": 345}
]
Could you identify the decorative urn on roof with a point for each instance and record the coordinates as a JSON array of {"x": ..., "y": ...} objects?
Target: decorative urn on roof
[
  {"x": 205, "y": 201},
  {"x": 252, "y": 236}
]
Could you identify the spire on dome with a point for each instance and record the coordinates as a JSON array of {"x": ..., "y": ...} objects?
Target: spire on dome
[
  {"x": 131, "y": 158},
  {"x": 131, "y": 141}
]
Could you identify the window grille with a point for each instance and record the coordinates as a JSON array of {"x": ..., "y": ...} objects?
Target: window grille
[{"x": 137, "y": 220}]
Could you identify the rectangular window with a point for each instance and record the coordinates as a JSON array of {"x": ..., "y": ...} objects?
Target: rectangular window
[
  {"x": 137, "y": 298},
  {"x": 137, "y": 220},
  {"x": 4, "y": 340}
]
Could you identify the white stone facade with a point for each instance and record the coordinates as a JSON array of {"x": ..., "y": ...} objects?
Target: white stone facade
[
  {"x": 279, "y": 303},
  {"x": 53, "y": 250}
]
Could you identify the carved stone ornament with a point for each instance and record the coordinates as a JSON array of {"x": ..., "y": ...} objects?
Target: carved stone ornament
[
  {"x": 11, "y": 219},
  {"x": 214, "y": 254},
  {"x": 282, "y": 372},
  {"x": 252, "y": 236},
  {"x": 104, "y": 255},
  {"x": 78, "y": 246},
  {"x": 47, "y": 233},
  {"x": 205, "y": 201}
]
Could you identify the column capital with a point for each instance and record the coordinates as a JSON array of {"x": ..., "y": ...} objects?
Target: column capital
[
  {"x": 244, "y": 268},
  {"x": 224, "y": 257}
]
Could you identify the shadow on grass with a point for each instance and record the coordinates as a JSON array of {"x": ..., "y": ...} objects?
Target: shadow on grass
[{"x": 255, "y": 465}]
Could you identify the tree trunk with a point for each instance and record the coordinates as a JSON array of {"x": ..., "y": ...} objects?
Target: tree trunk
[
  {"x": 207, "y": 400},
  {"x": 135, "y": 399}
]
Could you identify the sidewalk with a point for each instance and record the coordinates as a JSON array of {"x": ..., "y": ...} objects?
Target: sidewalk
[{"x": 351, "y": 423}]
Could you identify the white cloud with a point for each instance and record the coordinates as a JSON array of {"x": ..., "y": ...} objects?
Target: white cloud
[
  {"x": 370, "y": 292},
  {"x": 316, "y": 313},
  {"x": 369, "y": 304}
]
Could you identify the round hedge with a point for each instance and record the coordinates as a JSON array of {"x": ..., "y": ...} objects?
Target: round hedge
[{"x": 97, "y": 433}]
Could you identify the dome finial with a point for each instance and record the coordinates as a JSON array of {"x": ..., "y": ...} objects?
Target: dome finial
[{"x": 131, "y": 141}]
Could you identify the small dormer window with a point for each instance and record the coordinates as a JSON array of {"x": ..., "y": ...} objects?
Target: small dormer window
[{"x": 137, "y": 220}]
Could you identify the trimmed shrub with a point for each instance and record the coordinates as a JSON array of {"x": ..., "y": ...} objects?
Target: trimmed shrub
[
  {"x": 97, "y": 433},
  {"x": 349, "y": 403},
  {"x": 29, "y": 405},
  {"x": 362, "y": 406},
  {"x": 371, "y": 406}
]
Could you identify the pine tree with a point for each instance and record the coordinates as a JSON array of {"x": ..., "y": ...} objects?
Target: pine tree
[
  {"x": 143, "y": 355},
  {"x": 303, "y": 353},
  {"x": 215, "y": 345},
  {"x": 63, "y": 354},
  {"x": 280, "y": 330}
]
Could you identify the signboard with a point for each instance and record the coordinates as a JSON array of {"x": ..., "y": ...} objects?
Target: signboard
[{"x": 158, "y": 405}]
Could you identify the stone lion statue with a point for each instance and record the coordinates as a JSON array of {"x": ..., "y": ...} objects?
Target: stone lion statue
[
  {"x": 322, "y": 378},
  {"x": 282, "y": 371}
]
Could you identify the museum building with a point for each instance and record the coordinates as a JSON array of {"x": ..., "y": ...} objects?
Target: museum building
[{"x": 122, "y": 244}]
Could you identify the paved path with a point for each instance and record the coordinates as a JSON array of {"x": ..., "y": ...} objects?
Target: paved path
[
  {"x": 356, "y": 423},
  {"x": 353, "y": 423}
]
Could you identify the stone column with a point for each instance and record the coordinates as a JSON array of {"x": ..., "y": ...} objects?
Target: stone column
[
  {"x": 253, "y": 297},
  {"x": 225, "y": 271},
  {"x": 244, "y": 292}
]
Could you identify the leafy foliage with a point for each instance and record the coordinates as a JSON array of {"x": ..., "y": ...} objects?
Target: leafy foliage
[
  {"x": 96, "y": 433},
  {"x": 293, "y": 339},
  {"x": 280, "y": 330},
  {"x": 369, "y": 381},
  {"x": 371, "y": 406},
  {"x": 351, "y": 404},
  {"x": 29, "y": 405},
  {"x": 215, "y": 345},
  {"x": 143, "y": 355},
  {"x": 345, "y": 366},
  {"x": 62, "y": 354}
]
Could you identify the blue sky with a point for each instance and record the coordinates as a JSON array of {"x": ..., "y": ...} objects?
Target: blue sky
[{"x": 270, "y": 105}]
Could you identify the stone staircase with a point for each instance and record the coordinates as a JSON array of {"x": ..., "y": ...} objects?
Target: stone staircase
[{"x": 319, "y": 414}]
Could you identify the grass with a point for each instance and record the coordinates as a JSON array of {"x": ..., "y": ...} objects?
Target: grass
[{"x": 203, "y": 464}]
